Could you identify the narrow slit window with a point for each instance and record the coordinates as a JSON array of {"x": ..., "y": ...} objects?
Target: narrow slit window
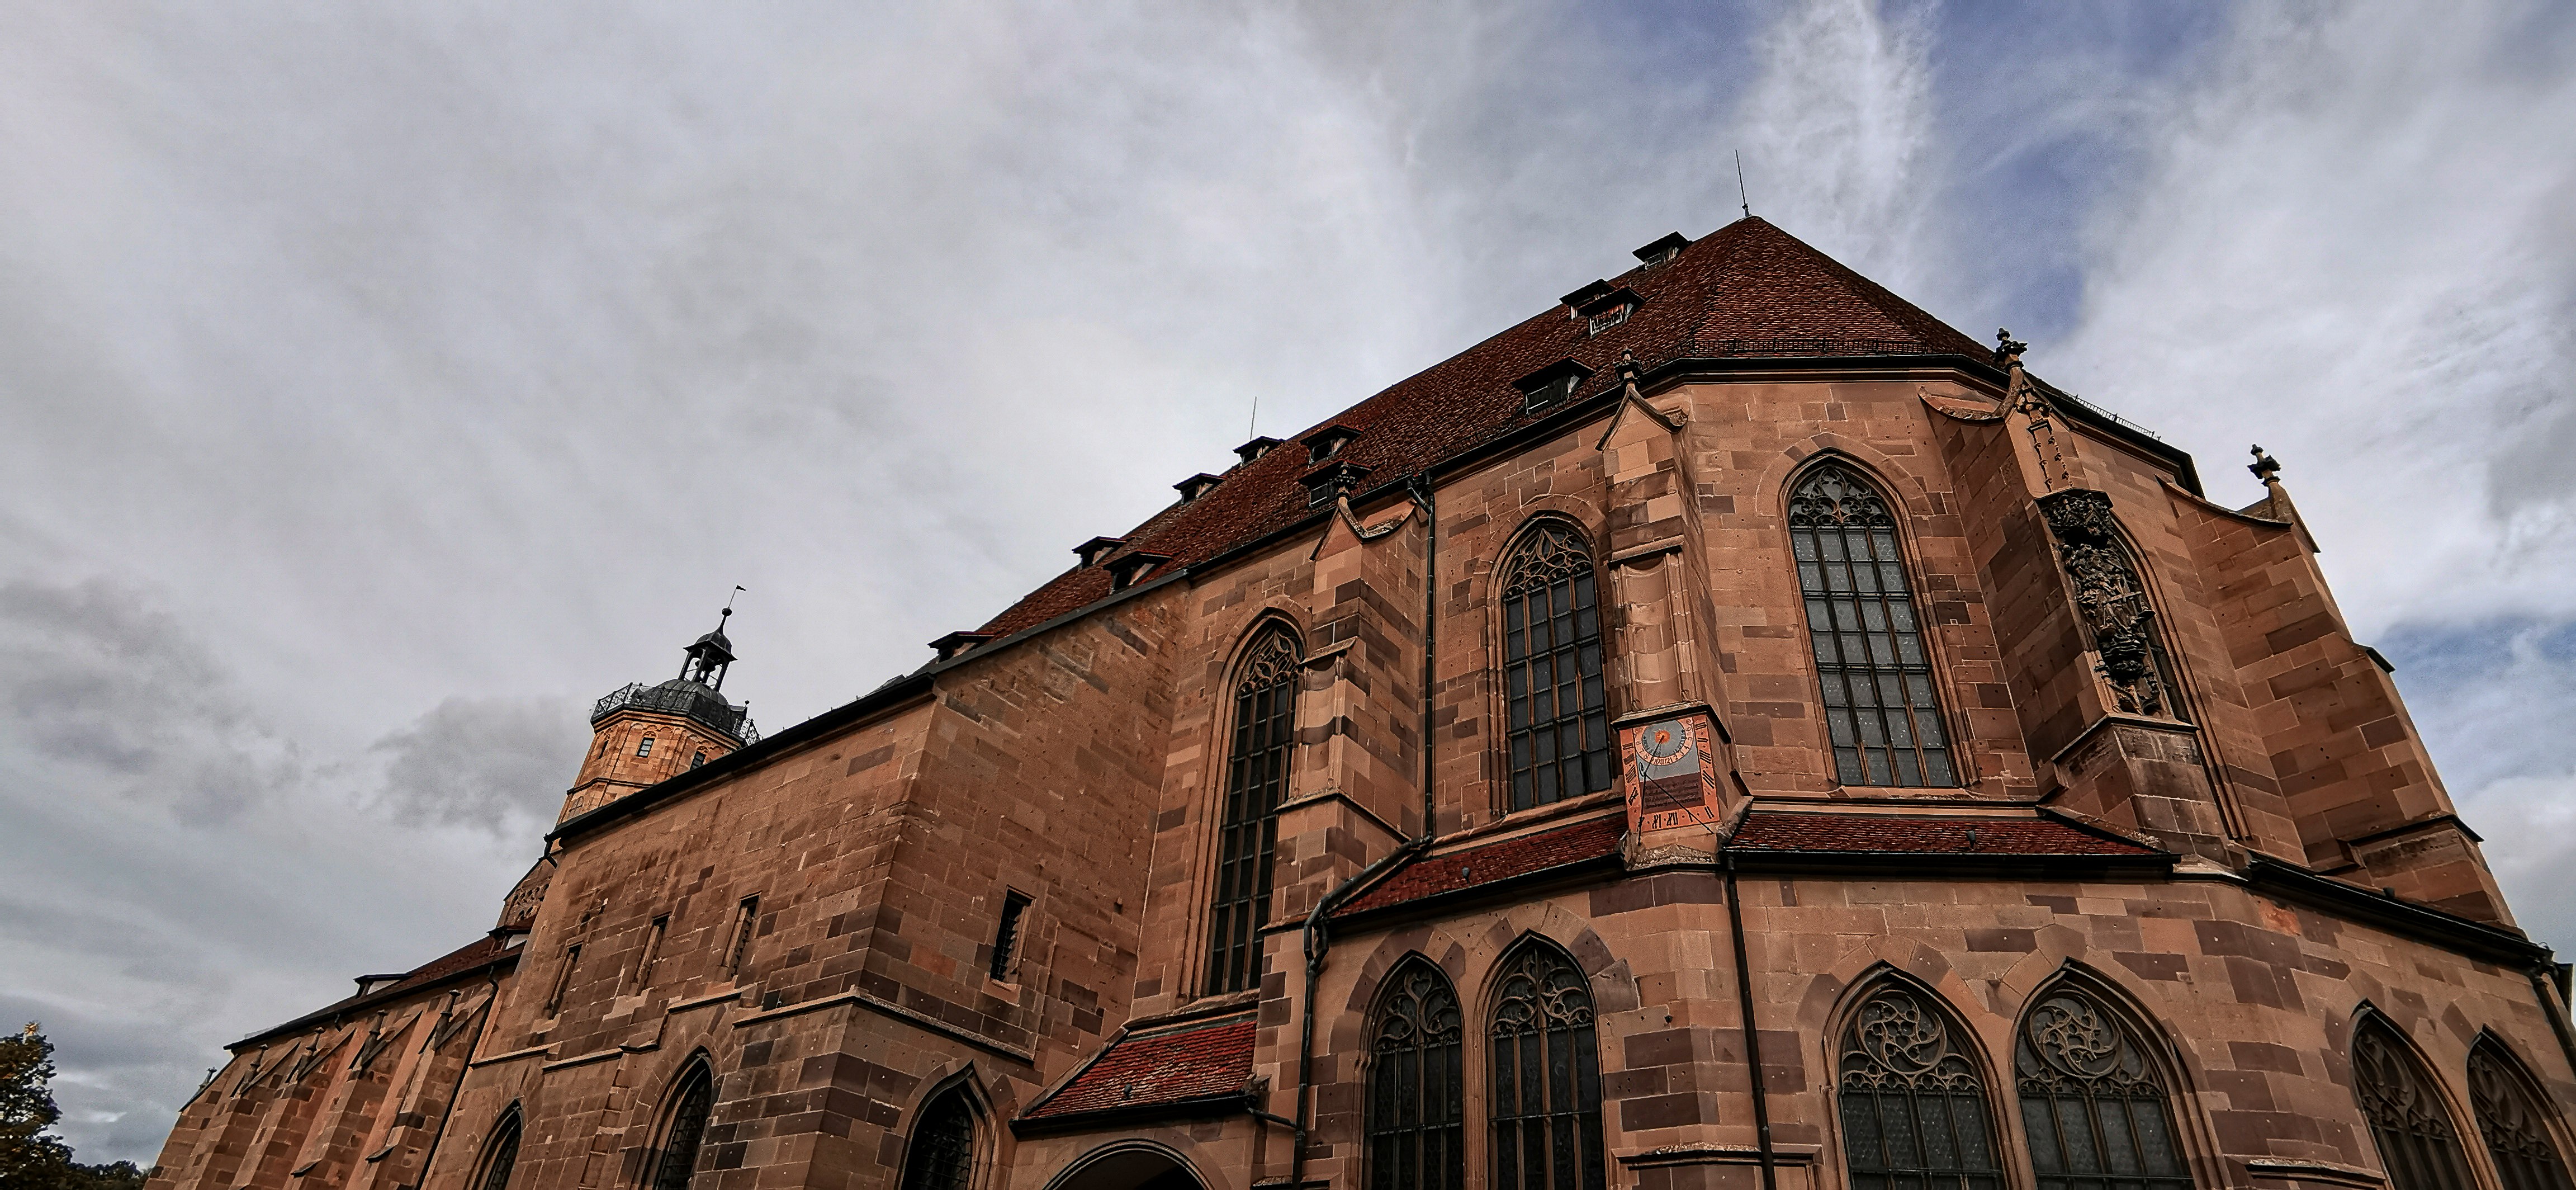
[
  {"x": 1265, "y": 724},
  {"x": 563, "y": 980},
  {"x": 652, "y": 951},
  {"x": 745, "y": 917},
  {"x": 1882, "y": 717},
  {"x": 645, "y": 748},
  {"x": 1559, "y": 740},
  {"x": 1006, "y": 937},
  {"x": 696, "y": 759}
]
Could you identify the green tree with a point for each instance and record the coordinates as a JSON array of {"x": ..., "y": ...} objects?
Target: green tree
[{"x": 30, "y": 1157}]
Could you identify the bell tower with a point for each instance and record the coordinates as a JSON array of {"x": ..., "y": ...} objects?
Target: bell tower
[{"x": 643, "y": 735}]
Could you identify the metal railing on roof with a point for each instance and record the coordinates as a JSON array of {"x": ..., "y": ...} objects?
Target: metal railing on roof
[
  {"x": 1818, "y": 347},
  {"x": 690, "y": 699}
]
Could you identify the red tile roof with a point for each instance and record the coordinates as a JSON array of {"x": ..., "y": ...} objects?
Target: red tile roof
[
  {"x": 1432, "y": 875},
  {"x": 1160, "y": 1068},
  {"x": 1900, "y": 834},
  {"x": 1747, "y": 289}
]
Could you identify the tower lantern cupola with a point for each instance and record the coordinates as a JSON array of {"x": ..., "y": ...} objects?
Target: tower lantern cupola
[{"x": 643, "y": 735}]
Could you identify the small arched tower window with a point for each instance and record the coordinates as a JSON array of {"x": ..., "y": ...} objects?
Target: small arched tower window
[
  {"x": 1913, "y": 1108},
  {"x": 2091, "y": 1103},
  {"x": 1265, "y": 727},
  {"x": 1416, "y": 1103},
  {"x": 942, "y": 1153},
  {"x": 2417, "y": 1144},
  {"x": 1546, "y": 1101},
  {"x": 1559, "y": 738},
  {"x": 1881, "y": 715},
  {"x": 502, "y": 1153},
  {"x": 2511, "y": 1121},
  {"x": 679, "y": 1158}
]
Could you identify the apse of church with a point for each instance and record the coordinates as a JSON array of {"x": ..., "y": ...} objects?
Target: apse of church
[{"x": 1728, "y": 730}]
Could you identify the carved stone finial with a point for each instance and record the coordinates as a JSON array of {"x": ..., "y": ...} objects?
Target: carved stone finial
[
  {"x": 1627, "y": 366},
  {"x": 2265, "y": 467},
  {"x": 2007, "y": 348}
]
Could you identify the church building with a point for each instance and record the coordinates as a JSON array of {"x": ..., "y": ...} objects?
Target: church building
[{"x": 1729, "y": 730}]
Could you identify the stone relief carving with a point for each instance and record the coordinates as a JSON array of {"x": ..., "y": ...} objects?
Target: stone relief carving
[{"x": 2109, "y": 597}]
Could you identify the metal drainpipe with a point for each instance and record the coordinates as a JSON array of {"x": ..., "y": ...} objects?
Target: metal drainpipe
[
  {"x": 490, "y": 1007},
  {"x": 1752, "y": 1035},
  {"x": 1317, "y": 937},
  {"x": 2541, "y": 991}
]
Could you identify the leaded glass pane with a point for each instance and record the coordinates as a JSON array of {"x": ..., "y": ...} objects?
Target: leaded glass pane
[
  {"x": 1559, "y": 734},
  {"x": 1867, "y": 640},
  {"x": 679, "y": 1160},
  {"x": 942, "y": 1153},
  {"x": 1265, "y": 724},
  {"x": 1416, "y": 1112},
  {"x": 2412, "y": 1128},
  {"x": 2092, "y": 1104},
  {"x": 1913, "y": 1110},
  {"x": 2511, "y": 1122},
  {"x": 1546, "y": 1101}
]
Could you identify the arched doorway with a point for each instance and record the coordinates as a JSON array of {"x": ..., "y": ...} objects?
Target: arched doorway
[{"x": 1128, "y": 1165}]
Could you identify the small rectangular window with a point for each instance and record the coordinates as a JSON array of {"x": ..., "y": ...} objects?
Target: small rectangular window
[
  {"x": 1554, "y": 389},
  {"x": 563, "y": 980},
  {"x": 1007, "y": 939},
  {"x": 652, "y": 952},
  {"x": 744, "y": 919},
  {"x": 645, "y": 748},
  {"x": 696, "y": 759}
]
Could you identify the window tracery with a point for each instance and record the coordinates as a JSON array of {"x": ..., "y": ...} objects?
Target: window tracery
[
  {"x": 1882, "y": 717},
  {"x": 1558, "y": 741},
  {"x": 1546, "y": 1077},
  {"x": 2412, "y": 1128},
  {"x": 1416, "y": 1109},
  {"x": 1913, "y": 1108},
  {"x": 2092, "y": 1106},
  {"x": 2511, "y": 1123},
  {"x": 1265, "y": 724}
]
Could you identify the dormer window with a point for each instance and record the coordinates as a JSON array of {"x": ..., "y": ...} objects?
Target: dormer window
[
  {"x": 1092, "y": 551},
  {"x": 1606, "y": 319},
  {"x": 1126, "y": 569},
  {"x": 1250, "y": 451},
  {"x": 955, "y": 644},
  {"x": 1550, "y": 386},
  {"x": 1662, "y": 252},
  {"x": 1601, "y": 305},
  {"x": 1332, "y": 483},
  {"x": 1197, "y": 485},
  {"x": 1327, "y": 442}
]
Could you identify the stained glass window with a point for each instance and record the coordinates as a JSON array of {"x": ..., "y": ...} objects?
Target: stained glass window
[
  {"x": 942, "y": 1153},
  {"x": 2510, "y": 1120},
  {"x": 2091, "y": 1104},
  {"x": 1913, "y": 1109},
  {"x": 2417, "y": 1142},
  {"x": 688, "y": 1126},
  {"x": 1416, "y": 1105},
  {"x": 505, "y": 1153},
  {"x": 1880, "y": 712},
  {"x": 1265, "y": 725},
  {"x": 1559, "y": 740},
  {"x": 1546, "y": 1101}
]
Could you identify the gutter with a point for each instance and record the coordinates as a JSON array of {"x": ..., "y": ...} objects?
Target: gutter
[{"x": 2449, "y": 931}]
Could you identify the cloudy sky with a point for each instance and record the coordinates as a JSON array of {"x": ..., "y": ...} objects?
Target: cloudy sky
[{"x": 381, "y": 385}]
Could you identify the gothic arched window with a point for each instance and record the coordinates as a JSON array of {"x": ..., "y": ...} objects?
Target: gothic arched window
[
  {"x": 1546, "y": 1101},
  {"x": 942, "y": 1153},
  {"x": 1880, "y": 712},
  {"x": 2510, "y": 1120},
  {"x": 1416, "y": 1104},
  {"x": 1559, "y": 741},
  {"x": 503, "y": 1153},
  {"x": 688, "y": 1126},
  {"x": 1913, "y": 1109},
  {"x": 1265, "y": 727},
  {"x": 2417, "y": 1144},
  {"x": 2091, "y": 1104}
]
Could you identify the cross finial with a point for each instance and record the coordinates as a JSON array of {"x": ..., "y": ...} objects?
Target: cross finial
[{"x": 2265, "y": 467}]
